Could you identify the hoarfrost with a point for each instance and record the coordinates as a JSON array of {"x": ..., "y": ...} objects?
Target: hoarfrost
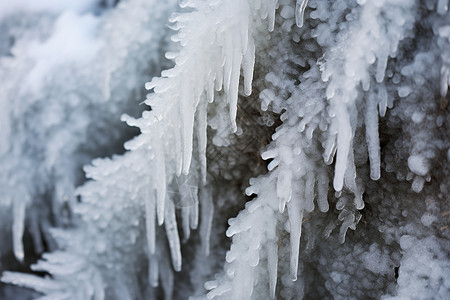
[{"x": 335, "y": 112}]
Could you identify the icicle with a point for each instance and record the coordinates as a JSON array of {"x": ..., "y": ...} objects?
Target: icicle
[
  {"x": 202, "y": 137},
  {"x": 160, "y": 181},
  {"x": 191, "y": 205},
  {"x": 263, "y": 11},
  {"x": 186, "y": 202},
  {"x": 350, "y": 182},
  {"x": 372, "y": 137},
  {"x": 272, "y": 266},
  {"x": 330, "y": 150},
  {"x": 244, "y": 26},
  {"x": 383, "y": 102},
  {"x": 274, "y": 163},
  {"x": 270, "y": 153},
  {"x": 271, "y": 15},
  {"x": 300, "y": 11},
  {"x": 187, "y": 123},
  {"x": 284, "y": 190},
  {"x": 445, "y": 80},
  {"x": 417, "y": 184},
  {"x": 178, "y": 152},
  {"x": 234, "y": 83},
  {"x": 210, "y": 88},
  {"x": 35, "y": 231},
  {"x": 172, "y": 235},
  {"x": 228, "y": 54},
  {"x": 348, "y": 220},
  {"x": 193, "y": 221},
  {"x": 272, "y": 249},
  {"x": 153, "y": 271},
  {"x": 248, "y": 67},
  {"x": 381, "y": 68},
  {"x": 19, "y": 206},
  {"x": 219, "y": 81},
  {"x": 310, "y": 131},
  {"x": 185, "y": 219},
  {"x": 295, "y": 213},
  {"x": 322, "y": 190},
  {"x": 344, "y": 139},
  {"x": 207, "y": 209},
  {"x": 150, "y": 223}
]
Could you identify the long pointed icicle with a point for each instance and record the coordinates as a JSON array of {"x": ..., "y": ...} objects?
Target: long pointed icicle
[
  {"x": 150, "y": 223},
  {"x": 344, "y": 140},
  {"x": 207, "y": 210},
  {"x": 153, "y": 271},
  {"x": 19, "y": 206},
  {"x": 272, "y": 263},
  {"x": 187, "y": 122},
  {"x": 248, "y": 67},
  {"x": 372, "y": 137},
  {"x": 295, "y": 212},
  {"x": 194, "y": 208},
  {"x": 186, "y": 203},
  {"x": 322, "y": 190},
  {"x": 236, "y": 61},
  {"x": 172, "y": 235},
  {"x": 202, "y": 138},
  {"x": 300, "y": 11},
  {"x": 160, "y": 182}
]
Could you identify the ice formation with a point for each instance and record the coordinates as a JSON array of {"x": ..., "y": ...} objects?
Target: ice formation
[
  {"x": 345, "y": 101},
  {"x": 65, "y": 83}
]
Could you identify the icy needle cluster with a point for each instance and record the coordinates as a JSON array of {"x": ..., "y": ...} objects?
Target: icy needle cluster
[{"x": 64, "y": 87}]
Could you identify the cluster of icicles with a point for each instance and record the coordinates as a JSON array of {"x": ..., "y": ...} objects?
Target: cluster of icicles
[
  {"x": 217, "y": 42},
  {"x": 179, "y": 110},
  {"x": 294, "y": 174}
]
